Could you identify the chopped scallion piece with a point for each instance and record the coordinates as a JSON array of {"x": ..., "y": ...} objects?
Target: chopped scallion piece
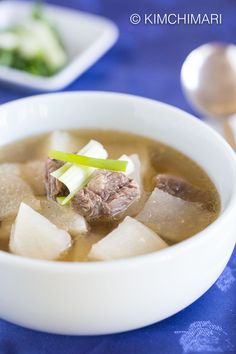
[
  {"x": 60, "y": 171},
  {"x": 67, "y": 199},
  {"x": 76, "y": 177},
  {"x": 106, "y": 164},
  {"x": 60, "y": 200}
]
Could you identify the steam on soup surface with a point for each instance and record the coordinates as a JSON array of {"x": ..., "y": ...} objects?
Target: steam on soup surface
[{"x": 148, "y": 197}]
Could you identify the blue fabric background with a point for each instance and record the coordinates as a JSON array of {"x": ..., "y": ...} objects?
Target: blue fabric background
[{"x": 146, "y": 61}]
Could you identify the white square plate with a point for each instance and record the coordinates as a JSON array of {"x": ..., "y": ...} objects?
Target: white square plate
[{"x": 86, "y": 38}]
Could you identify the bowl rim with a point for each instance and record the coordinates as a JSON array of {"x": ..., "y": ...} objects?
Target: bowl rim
[{"x": 118, "y": 264}]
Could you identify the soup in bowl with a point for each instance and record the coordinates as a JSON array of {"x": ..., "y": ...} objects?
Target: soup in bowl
[{"x": 110, "y": 205}]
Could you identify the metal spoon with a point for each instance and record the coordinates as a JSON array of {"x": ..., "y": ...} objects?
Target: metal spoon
[{"x": 208, "y": 78}]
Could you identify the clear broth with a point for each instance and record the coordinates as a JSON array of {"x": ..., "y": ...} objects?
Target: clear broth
[{"x": 155, "y": 158}]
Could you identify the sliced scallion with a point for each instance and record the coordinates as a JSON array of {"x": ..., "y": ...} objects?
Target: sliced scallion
[
  {"x": 76, "y": 177},
  {"x": 106, "y": 164}
]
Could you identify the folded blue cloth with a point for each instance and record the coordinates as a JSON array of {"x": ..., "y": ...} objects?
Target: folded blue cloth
[{"x": 146, "y": 61}]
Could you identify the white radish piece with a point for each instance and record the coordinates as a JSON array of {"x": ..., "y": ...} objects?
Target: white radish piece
[
  {"x": 133, "y": 169},
  {"x": 33, "y": 172},
  {"x": 131, "y": 238},
  {"x": 34, "y": 236},
  {"x": 11, "y": 168},
  {"x": 63, "y": 141},
  {"x": 136, "y": 174},
  {"x": 133, "y": 148},
  {"x": 172, "y": 217},
  {"x": 64, "y": 217},
  {"x": 130, "y": 166},
  {"x": 13, "y": 191}
]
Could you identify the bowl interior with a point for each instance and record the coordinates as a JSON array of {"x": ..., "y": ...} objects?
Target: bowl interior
[{"x": 167, "y": 124}]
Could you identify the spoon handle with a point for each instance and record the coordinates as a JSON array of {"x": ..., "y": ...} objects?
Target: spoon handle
[
  {"x": 225, "y": 127},
  {"x": 229, "y": 134}
]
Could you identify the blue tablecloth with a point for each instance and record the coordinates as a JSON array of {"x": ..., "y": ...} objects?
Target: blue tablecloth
[{"x": 146, "y": 61}]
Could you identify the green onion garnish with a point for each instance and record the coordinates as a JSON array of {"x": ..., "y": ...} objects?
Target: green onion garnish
[
  {"x": 75, "y": 177},
  {"x": 111, "y": 165}
]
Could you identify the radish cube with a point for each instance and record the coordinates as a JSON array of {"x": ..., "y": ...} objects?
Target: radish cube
[
  {"x": 130, "y": 238},
  {"x": 34, "y": 236}
]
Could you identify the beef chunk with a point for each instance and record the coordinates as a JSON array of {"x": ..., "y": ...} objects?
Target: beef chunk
[
  {"x": 106, "y": 195},
  {"x": 54, "y": 187},
  {"x": 179, "y": 187}
]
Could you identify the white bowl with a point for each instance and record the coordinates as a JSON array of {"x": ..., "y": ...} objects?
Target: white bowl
[
  {"x": 114, "y": 296},
  {"x": 86, "y": 38}
]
